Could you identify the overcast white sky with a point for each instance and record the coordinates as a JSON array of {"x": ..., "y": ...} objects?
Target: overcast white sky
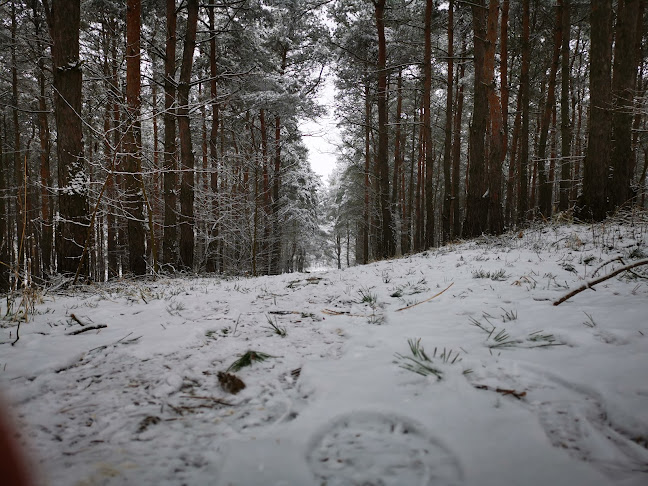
[{"x": 321, "y": 136}]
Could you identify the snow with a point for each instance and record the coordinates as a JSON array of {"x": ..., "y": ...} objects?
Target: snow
[{"x": 553, "y": 395}]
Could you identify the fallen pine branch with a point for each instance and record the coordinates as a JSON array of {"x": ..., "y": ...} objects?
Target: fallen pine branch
[
  {"x": 213, "y": 399},
  {"x": 77, "y": 320},
  {"x": 85, "y": 329},
  {"x": 426, "y": 300},
  {"x": 503, "y": 391},
  {"x": 591, "y": 283},
  {"x": 330, "y": 312}
]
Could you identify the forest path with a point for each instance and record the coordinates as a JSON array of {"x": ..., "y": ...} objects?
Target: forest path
[{"x": 522, "y": 392}]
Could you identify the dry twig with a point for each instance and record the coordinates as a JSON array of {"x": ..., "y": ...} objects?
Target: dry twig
[
  {"x": 426, "y": 300},
  {"x": 85, "y": 329},
  {"x": 591, "y": 283}
]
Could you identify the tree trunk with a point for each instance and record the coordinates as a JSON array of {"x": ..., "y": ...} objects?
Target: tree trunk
[
  {"x": 212, "y": 250},
  {"x": 395, "y": 201},
  {"x": 132, "y": 144},
  {"x": 447, "y": 148},
  {"x": 496, "y": 150},
  {"x": 476, "y": 207},
  {"x": 456, "y": 149},
  {"x": 593, "y": 203},
  {"x": 565, "y": 125},
  {"x": 21, "y": 199},
  {"x": 277, "y": 231},
  {"x": 544, "y": 186},
  {"x": 46, "y": 211},
  {"x": 623, "y": 85},
  {"x": 367, "y": 180},
  {"x": 4, "y": 239},
  {"x": 113, "y": 106},
  {"x": 186, "y": 147},
  {"x": 170, "y": 236},
  {"x": 64, "y": 21},
  {"x": 523, "y": 195},
  {"x": 385, "y": 240}
]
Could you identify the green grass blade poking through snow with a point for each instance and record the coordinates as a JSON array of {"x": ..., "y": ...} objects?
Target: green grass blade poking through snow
[{"x": 247, "y": 359}]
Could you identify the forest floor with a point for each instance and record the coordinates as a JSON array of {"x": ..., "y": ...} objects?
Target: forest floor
[{"x": 449, "y": 367}]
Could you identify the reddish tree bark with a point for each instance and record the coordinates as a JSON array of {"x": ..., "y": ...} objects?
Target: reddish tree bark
[
  {"x": 565, "y": 124},
  {"x": 187, "y": 162},
  {"x": 132, "y": 145},
  {"x": 170, "y": 182},
  {"x": 64, "y": 20},
  {"x": 623, "y": 90},
  {"x": 447, "y": 148},
  {"x": 213, "y": 262},
  {"x": 476, "y": 206},
  {"x": 593, "y": 204},
  {"x": 496, "y": 136},
  {"x": 544, "y": 185},
  {"x": 456, "y": 149},
  {"x": 523, "y": 194},
  {"x": 385, "y": 242}
]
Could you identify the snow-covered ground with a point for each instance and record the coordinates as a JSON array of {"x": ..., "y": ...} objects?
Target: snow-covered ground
[{"x": 514, "y": 390}]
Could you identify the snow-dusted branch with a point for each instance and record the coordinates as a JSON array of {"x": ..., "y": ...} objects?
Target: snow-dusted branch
[{"x": 591, "y": 283}]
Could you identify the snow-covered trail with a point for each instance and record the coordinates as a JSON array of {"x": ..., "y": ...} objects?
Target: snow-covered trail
[{"x": 520, "y": 392}]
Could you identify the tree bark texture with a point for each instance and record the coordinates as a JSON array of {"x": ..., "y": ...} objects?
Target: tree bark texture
[
  {"x": 186, "y": 148},
  {"x": 544, "y": 185},
  {"x": 623, "y": 91},
  {"x": 132, "y": 143},
  {"x": 476, "y": 203},
  {"x": 523, "y": 192},
  {"x": 447, "y": 148},
  {"x": 593, "y": 205},
  {"x": 64, "y": 22},
  {"x": 565, "y": 123},
  {"x": 385, "y": 240},
  {"x": 170, "y": 182}
]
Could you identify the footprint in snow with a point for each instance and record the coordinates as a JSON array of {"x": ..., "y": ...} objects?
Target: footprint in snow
[
  {"x": 576, "y": 420},
  {"x": 376, "y": 449}
]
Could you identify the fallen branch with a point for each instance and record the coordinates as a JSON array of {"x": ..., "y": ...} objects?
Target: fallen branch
[
  {"x": 85, "y": 329},
  {"x": 213, "y": 399},
  {"x": 591, "y": 283},
  {"x": 426, "y": 300},
  {"x": 617, "y": 259},
  {"x": 331, "y": 312},
  {"x": 17, "y": 334},
  {"x": 77, "y": 320},
  {"x": 503, "y": 391}
]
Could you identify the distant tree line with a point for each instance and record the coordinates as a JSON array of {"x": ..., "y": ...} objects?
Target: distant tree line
[
  {"x": 146, "y": 135},
  {"x": 139, "y": 136},
  {"x": 463, "y": 118}
]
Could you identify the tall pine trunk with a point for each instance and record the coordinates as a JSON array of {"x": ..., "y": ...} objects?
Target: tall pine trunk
[
  {"x": 523, "y": 188},
  {"x": 623, "y": 85},
  {"x": 132, "y": 144},
  {"x": 213, "y": 263},
  {"x": 565, "y": 123},
  {"x": 64, "y": 21},
  {"x": 385, "y": 240},
  {"x": 593, "y": 202},
  {"x": 496, "y": 147},
  {"x": 447, "y": 148},
  {"x": 544, "y": 185},
  {"x": 170, "y": 182},
  {"x": 186, "y": 147},
  {"x": 456, "y": 149},
  {"x": 476, "y": 207}
]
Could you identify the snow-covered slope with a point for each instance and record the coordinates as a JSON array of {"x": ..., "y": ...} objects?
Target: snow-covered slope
[{"x": 514, "y": 390}]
